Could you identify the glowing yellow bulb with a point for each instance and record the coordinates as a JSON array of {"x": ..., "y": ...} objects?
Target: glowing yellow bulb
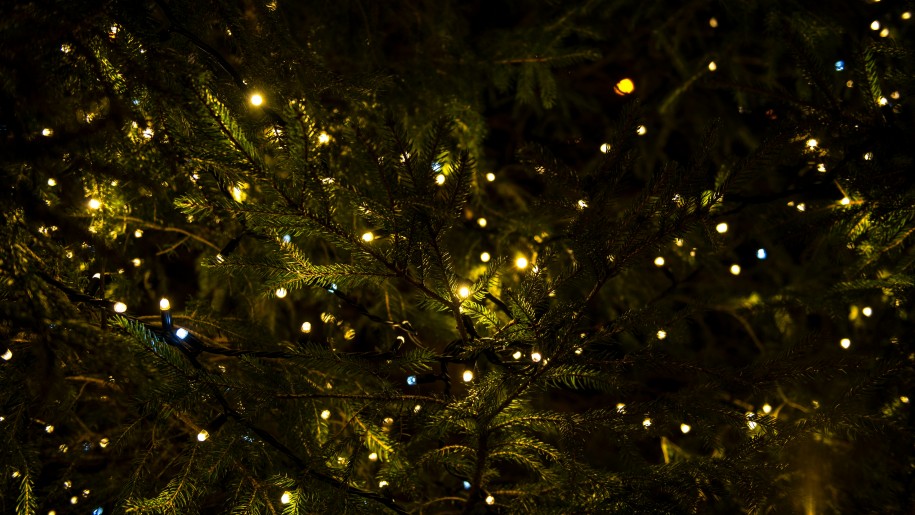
[
  {"x": 382, "y": 484},
  {"x": 624, "y": 87},
  {"x": 164, "y": 305},
  {"x": 325, "y": 414},
  {"x": 904, "y": 399},
  {"x": 368, "y": 236},
  {"x": 845, "y": 343},
  {"x": 94, "y": 203},
  {"x": 138, "y": 233},
  {"x": 517, "y": 354},
  {"x": 490, "y": 499},
  {"x": 678, "y": 242},
  {"x": 867, "y": 311},
  {"x": 482, "y": 222},
  {"x": 875, "y": 25},
  {"x": 120, "y": 307},
  {"x": 490, "y": 177},
  {"x": 641, "y": 130},
  {"x": 662, "y": 334},
  {"x": 8, "y": 355},
  {"x": 49, "y": 429},
  {"x": 845, "y": 201},
  {"x": 821, "y": 168},
  {"x": 906, "y": 15},
  {"x": 536, "y": 357},
  {"x": 74, "y": 500},
  {"x": 721, "y": 228},
  {"x": 582, "y": 204},
  {"x": 203, "y": 435},
  {"x": 467, "y": 376},
  {"x": 286, "y": 497},
  {"x": 281, "y": 292},
  {"x": 767, "y": 408},
  {"x": 605, "y": 147},
  {"x": 685, "y": 428},
  {"x": 521, "y": 263},
  {"x": 659, "y": 261},
  {"x": 802, "y": 207},
  {"x": 137, "y": 261},
  {"x": 882, "y": 101},
  {"x": 440, "y": 179},
  {"x": 239, "y": 194},
  {"x": 463, "y": 292},
  {"x": 46, "y": 132},
  {"x": 103, "y": 443},
  {"x": 735, "y": 269},
  {"x": 646, "y": 423},
  {"x": 373, "y": 456},
  {"x": 812, "y": 143},
  {"x": 621, "y": 408},
  {"x": 256, "y": 99},
  {"x": 306, "y": 327},
  {"x": 485, "y": 257},
  {"x": 868, "y": 156},
  {"x": 713, "y": 23},
  {"x": 52, "y": 182},
  {"x": 324, "y": 138},
  {"x": 712, "y": 66}
]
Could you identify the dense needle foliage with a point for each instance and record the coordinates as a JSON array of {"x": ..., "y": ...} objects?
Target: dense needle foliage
[{"x": 456, "y": 257}]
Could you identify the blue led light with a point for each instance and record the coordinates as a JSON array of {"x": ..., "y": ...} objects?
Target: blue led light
[
  {"x": 436, "y": 166},
  {"x": 840, "y": 65},
  {"x": 466, "y": 485},
  {"x": 98, "y": 511},
  {"x": 411, "y": 380},
  {"x": 287, "y": 238},
  {"x": 761, "y": 254}
]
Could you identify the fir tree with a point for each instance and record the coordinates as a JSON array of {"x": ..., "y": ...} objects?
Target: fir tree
[{"x": 456, "y": 257}]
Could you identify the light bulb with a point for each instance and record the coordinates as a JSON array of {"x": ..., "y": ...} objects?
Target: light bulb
[
  {"x": 137, "y": 262},
  {"x": 411, "y": 380},
  {"x": 517, "y": 354},
  {"x": 368, "y": 236},
  {"x": 482, "y": 222},
  {"x": 582, "y": 204},
  {"x": 181, "y": 333},
  {"x": 8, "y": 355},
  {"x": 536, "y": 357},
  {"x": 490, "y": 499},
  {"x": 373, "y": 456},
  {"x": 46, "y": 132},
  {"x": 281, "y": 293},
  {"x": 659, "y": 261},
  {"x": 203, "y": 435},
  {"x": 103, "y": 443},
  {"x": 641, "y": 130},
  {"x": 286, "y": 497},
  {"x": 845, "y": 201},
  {"x": 713, "y": 23},
  {"x": 490, "y": 177},
  {"x": 164, "y": 305},
  {"x": 521, "y": 263},
  {"x": 845, "y": 343},
  {"x": 903, "y": 399},
  {"x": 306, "y": 327},
  {"x": 624, "y": 87},
  {"x": 646, "y": 423},
  {"x": 256, "y": 99},
  {"x": 812, "y": 143},
  {"x": 325, "y": 414},
  {"x": 868, "y": 156},
  {"x": 382, "y": 484},
  {"x": 120, "y": 307},
  {"x": 605, "y": 147},
  {"x": 74, "y": 500},
  {"x": 468, "y": 376},
  {"x": 761, "y": 254},
  {"x": 52, "y": 182},
  {"x": 875, "y": 25},
  {"x": 485, "y": 257},
  {"x": 722, "y": 228},
  {"x": 821, "y": 168},
  {"x": 685, "y": 428},
  {"x": 95, "y": 203},
  {"x": 621, "y": 408},
  {"x": 662, "y": 334},
  {"x": 735, "y": 269},
  {"x": 712, "y": 66},
  {"x": 767, "y": 408},
  {"x": 867, "y": 311},
  {"x": 906, "y": 15},
  {"x": 463, "y": 292},
  {"x": 324, "y": 138},
  {"x": 840, "y": 66}
]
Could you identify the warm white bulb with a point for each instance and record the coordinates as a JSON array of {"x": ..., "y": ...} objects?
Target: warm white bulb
[
  {"x": 368, "y": 236},
  {"x": 536, "y": 357},
  {"x": 490, "y": 499},
  {"x": 868, "y": 156},
  {"x": 662, "y": 334},
  {"x": 621, "y": 408},
  {"x": 256, "y": 99},
  {"x": 323, "y": 138},
  {"x": 440, "y": 179},
  {"x": 49, "y": 429},
  {"x": 46, "y": 132},
  {"x": 605, "y": 147},
  {"x": 281, "y": 292},
  {"x": 382, "y": 484},
  {"x": 120, "y": 307},
  {"x": 468, "y": 376},
  {"x": 845, "y": 343},
  {"x": 490, "y": 177},
  {"x": 482, "y": 222},
  {"x": 286, "y": 497},
  {"x": 325, "y": 414},
  {"x": 521, "y": 263},
  {"x": 867, "y": 311},
  {"x": 712, "y": 66},
  {"x": 646, "y": 423},
  {"x": 463, "y": 292},
  {"x": 517, "y": 354},
  {"x": 8, "y": 355},
  {"x": 306, "y": 327},
  {"x": 164, "y": 305},
  {"x": 767, "y": 408},
  {"x": 812, "y": 143},
  {"x": 103, "y": 442},
  {"x": 659, "y": 261},
  {"x": 94, "y": 203},
  {"x": 52, "y": 182},
  {"x": 136, "y": 261},
  {"x": 875, "y": 25},
  {"x": 722, "y": 228},
  {"x": 203, "y": 435},
  {"x": 485, "y": 257},
  {"x": 685, "y": 428},
  {"x": 373, "y": 456},
  {"x": 138, "y": 233},
  {"x": 641, "y": 130},
  {"x": 735, "y": 269},
  {"x": 582, "y": 204},
  {"x": 845, "y": 201}
]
